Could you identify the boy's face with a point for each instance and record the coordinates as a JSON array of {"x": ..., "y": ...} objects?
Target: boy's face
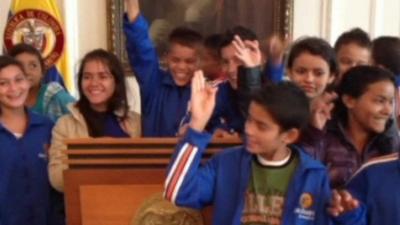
[
  {"x": 351, "y": 55},
  {"x": 182, "y": 61},
  {"x": 210, "y": 64},
  {"x": 263, "y": 135},
  {"x": 230, "y": 64},
  {"x": 311, "y": 73}
]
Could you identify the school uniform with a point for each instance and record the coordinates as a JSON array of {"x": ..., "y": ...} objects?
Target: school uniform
[
  {"x": 24, "y": 184},
  {"x": 224, "y": 180}
]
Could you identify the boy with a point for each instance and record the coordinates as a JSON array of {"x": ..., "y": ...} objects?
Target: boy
[
  {"x": 353, "y": 48},
  {"x": 250, "y": 184},
  {"x": 164, "y": 94},
  {"x": 232, "y": 98},
  {"x": 211, "y": 59}
]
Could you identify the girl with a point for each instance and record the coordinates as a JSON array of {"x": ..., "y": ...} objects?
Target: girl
[
  {"x": 24, "y": 136},
  {"x": 312, "y": 65},
  {"x": 101, "y": 111},
  {"x": 361, "y": 127},
  {"x": 49, "y": 99}
]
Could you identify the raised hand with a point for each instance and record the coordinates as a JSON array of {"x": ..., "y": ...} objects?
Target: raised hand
[
  {"x": 202, "y": 101},
  {"x": 342, "y": 202},
  {"x": 276, "y": 48},
  {"x": 132, "y": 9},
  {"x": 321, "y": 108},
  {"x": 248, "y": 52}
]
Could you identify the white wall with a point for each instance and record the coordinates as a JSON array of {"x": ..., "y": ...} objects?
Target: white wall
[{"x": 329, "y": 18}]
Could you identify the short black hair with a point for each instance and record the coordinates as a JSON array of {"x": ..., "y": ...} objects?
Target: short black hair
[
  {"x": 185, "y": 36},
  {"x": 25, "y": 48},
  {"x": 386, "y": 52},
  {"x": 243, "y": 32},
  {"x": 314, "y": 46},
  {"x": 356, "y": 36},
  {"x": 286, "y": 103},
  {"x": 212, "y": 43}
]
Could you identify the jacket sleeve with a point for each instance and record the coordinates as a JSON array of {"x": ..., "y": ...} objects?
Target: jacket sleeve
[
  {"x": 142, "y": 56},
  {"x": 274, "y": 73},
  {"x": 358, "y": 189},
  {"x": 189, "y": 183},
  {"x": 249, "y": 79},
  {"x": 56, "y": 155}
]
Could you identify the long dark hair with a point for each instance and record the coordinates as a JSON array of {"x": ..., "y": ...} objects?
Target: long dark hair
[{"x": 118, "y": 100}]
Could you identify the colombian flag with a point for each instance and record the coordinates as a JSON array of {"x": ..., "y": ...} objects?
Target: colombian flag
[{"x": 39, "y": 23}]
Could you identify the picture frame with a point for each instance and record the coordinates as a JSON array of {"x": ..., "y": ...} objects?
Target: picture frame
[{"x": 265, "y": 17}]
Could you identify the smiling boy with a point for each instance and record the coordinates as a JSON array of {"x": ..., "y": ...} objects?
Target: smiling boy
[
  {"x": 267, "y": 180},
  {"x": 164, "y": 94}
]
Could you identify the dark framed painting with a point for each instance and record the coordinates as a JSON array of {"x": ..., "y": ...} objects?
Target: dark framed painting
[{"x": 265, "y": 17}]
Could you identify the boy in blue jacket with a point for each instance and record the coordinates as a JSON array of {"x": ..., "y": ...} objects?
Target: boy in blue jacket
[
  {"x": 164, "y": 94},
  {"x": 267, "y": 180}
]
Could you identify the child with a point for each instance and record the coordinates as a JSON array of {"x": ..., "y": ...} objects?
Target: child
[
  {"x": 164, "y": 94},
  {"x": 361, "y": 127},
  {"x": 48, "y": 99},
  {"x": 24, "y": 138},
  {"x": 312, "y": 65},
  {"x": 232, "y": 102},
  {"x": 386, "y": 53},
  {"x": 267, "y": 180},
  {"x": 352, "y": 48},
  {"x": 211, "y": 62},
  {"x": 102, "y": 110}
]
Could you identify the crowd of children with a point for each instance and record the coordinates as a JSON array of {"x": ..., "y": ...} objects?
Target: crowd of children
[{"x": 319, "y": 124}]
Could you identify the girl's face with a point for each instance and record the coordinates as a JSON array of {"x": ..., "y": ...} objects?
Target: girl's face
[
  {"x": 311, "y": 73},
  {"x": 371, "y": 110},
  {"x": 14, "y": 87},
  {"x": 32, "y": 67},
  {"x": 98, "y": 84}
]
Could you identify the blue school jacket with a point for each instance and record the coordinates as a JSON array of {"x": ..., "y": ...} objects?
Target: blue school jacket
[
  {"x": 223, "y": 180},
  {"x": 376, "y": 186},
  {"x": 24, "y": 184},
  {"x": 164, "y": 104}
]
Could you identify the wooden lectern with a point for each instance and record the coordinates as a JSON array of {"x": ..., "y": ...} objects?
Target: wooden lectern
[{"x": 109, "y": 179}]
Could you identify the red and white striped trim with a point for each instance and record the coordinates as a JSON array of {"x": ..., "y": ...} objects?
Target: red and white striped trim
[{"x": 178, "y": 171}]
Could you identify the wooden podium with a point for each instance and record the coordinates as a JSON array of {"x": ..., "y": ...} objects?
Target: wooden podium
[{"x": 109, "y": 179}]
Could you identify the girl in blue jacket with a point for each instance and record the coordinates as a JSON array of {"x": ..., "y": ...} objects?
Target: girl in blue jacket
[{"x": 24, "y": 137}]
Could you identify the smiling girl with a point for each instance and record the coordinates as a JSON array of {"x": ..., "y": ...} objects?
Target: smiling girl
[
  {"x": 24, "y": 137},
  {"x": 362, "y": 126},
  {"x": 101, "y": 111}
]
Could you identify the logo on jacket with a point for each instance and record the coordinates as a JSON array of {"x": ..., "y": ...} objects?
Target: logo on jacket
[{"x": 306, "y": 202}]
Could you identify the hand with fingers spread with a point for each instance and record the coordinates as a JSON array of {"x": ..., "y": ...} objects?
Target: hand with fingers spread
[
  {"x": 276, "y": 49},
  {"x": 133, "y": 9},
  {"x": 202, "y": 101},
  {"x": 321, "y": 108},
  {"x": 248, "y": 52},
  {"x": 342, "y": 202}
]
